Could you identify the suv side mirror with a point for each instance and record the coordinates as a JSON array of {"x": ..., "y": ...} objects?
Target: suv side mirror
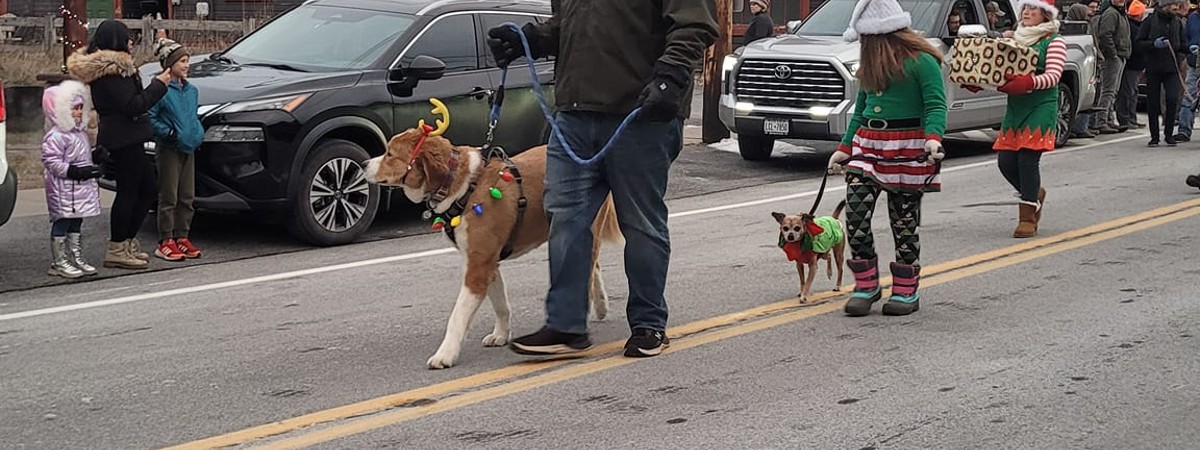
[
  {"x": 793, "y": 26},
  {"x": 401, "y": 81}
]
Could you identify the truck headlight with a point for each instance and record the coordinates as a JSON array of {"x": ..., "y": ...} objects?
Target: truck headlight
[
  {"x": 853, "y": 68},
  {"x": 233, "y": 133},
  {"x": 727, "y": 65},
  {"x": 288, "y": 103}
]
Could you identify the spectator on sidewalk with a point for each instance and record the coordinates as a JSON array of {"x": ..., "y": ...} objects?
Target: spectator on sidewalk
[
  {"x": 1112, "y": 33},
  {"x": 1161, "y": 38},
  {"x": 71, "y": 190},
  {"x": 122, "y": 104},
  {"x": 761, "y": 26},
  {"x": 1127, "y": 95},
  {"x": 1187, "y": 105},
  {"x": 178, "y": 133}
]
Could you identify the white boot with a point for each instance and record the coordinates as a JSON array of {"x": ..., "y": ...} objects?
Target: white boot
[
  {"x": 75, "y": 254},
  {"x": 60, "y": 266}
]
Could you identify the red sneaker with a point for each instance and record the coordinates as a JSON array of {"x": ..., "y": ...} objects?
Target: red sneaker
[
  {"x": 187, "y": 248},
  {"x": 168, "y": 250}
]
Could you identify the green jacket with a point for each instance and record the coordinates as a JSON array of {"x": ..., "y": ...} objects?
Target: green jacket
[
  {"x": 605, "y": 50},
  {"x": 1112, "y": 33},
  {"x": 920, "y": 94}
]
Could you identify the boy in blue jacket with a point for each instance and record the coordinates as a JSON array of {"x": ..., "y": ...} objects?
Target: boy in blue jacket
[{"x": 178, "y": 133}]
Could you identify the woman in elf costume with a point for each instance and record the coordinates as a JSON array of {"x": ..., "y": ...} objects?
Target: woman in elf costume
[
  {"x": 1031, "y": 119},
  {"x": 893, "y": 144}
]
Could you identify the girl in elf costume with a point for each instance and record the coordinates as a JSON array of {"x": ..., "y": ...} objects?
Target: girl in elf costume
[
  {"x": 1031, "y": 119},
  {"x": 893, "y": 143}
]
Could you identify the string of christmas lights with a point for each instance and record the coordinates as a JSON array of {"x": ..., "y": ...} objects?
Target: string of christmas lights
[{"x": 67, "y": 14}]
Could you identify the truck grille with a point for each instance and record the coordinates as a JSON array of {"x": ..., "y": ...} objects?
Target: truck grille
[{"x": 793, "y": 84}]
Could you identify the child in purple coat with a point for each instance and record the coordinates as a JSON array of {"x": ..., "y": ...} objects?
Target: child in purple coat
[{"x": 71, "y": 189}]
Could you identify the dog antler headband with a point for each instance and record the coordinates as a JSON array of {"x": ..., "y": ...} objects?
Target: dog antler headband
[{"x": 439, "y": 109}]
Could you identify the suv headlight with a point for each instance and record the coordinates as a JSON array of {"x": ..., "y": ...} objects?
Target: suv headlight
[
  {"x": 288, "y": 104},
  {"x": 233, "y": 133},
  {"x": 853, "y": 68}
]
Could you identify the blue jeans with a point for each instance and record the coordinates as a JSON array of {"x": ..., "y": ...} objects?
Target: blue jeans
[
  {"x": 1187, "y": 103},
  {"x": 635, "y": 171}
]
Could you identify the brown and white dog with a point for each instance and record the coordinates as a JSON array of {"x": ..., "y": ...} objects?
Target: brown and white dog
[
  {"x": 792, "y": 231},
  {"x": 480, "y": 238}
]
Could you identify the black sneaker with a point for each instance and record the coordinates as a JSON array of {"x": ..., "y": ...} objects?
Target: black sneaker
[
  {"x": 550, "y": 342},
  {"x": 646, "y": 342},
  {"x": 1170, "y": 140}
]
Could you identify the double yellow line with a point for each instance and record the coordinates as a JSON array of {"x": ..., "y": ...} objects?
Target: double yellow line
[{"x": 392, "y": 409}]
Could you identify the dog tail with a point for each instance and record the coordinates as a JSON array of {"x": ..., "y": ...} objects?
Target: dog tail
[
  {"x": 605, "y": 228},
  {"x": 838, "y": 211}
]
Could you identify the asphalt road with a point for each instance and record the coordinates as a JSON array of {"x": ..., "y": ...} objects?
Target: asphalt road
[{"x": 1081, "y": 338}]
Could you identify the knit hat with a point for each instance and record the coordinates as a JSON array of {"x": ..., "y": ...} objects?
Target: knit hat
[
  {"x": 1136, "y": 8},
  {"x": 169, "y": 52},
  {"x": 876, "y": 17},
  {"x": 764, "y": 4},
  {"x": 1045, "y": 5}
]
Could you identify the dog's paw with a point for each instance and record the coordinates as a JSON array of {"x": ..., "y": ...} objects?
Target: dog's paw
[
  {"x": 496, "y": 339},
  {"x": 803, "y": 298},
  {"x": 440, "y": 361},
  {"x": 837, "y": 289}
]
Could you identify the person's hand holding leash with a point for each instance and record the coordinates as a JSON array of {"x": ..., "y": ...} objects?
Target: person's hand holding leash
[
  {"x": 835, "y": 162},
  {"x": 660, "y": 99},
  {"x": 1161, "y": 42},
  {"x": 934, "y": 148},
  {"x": 506, "y": 45}
]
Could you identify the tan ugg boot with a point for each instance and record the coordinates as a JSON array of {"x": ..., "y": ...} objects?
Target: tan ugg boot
[
  {"x": 135, "y": 249},
  {"x": 1027, "y": 227},
  {"x": 118, "y": 257}
]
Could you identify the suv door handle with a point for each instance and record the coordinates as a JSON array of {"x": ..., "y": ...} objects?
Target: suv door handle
[{"x": 480, "y": 93}]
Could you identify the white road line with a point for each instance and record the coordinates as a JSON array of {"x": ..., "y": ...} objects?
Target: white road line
[{"x": 444, "y": 251}]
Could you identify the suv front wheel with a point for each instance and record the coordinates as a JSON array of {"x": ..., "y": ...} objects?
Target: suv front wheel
[{"x": 334, "y": 204}]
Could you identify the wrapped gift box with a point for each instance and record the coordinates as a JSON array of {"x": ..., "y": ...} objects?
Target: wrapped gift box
[{"x": 982, "y": 61}]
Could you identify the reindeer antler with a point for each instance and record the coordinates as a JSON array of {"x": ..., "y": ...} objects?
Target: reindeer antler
[{"x": 439, "y": 109}]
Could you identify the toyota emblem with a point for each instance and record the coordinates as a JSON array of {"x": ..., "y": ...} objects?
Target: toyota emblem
[{"x": 783, "y": 71}]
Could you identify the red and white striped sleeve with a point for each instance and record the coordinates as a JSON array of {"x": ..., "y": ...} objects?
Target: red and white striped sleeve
[{"x": 1056, "y": 55}]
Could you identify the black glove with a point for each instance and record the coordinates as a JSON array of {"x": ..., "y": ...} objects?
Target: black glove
[
  {"x": 100, "y": 155},
  {"x": 661, "y": 98},
  {"x": 506, "y": 45},
  {"x": 80, "y": 173}
]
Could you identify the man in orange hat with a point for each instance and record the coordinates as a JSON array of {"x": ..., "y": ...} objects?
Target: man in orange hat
[{"x": 1127, "y": 95}]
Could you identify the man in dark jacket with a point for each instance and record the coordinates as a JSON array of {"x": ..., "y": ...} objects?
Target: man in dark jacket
[
  {"x": 1127, "y": 95},
  {"x": 612, "y": 57},
  {"x": 1112, "y": 35},
  {"x": 1162, "y": 40},
  {"x": 761, "y": 26}
]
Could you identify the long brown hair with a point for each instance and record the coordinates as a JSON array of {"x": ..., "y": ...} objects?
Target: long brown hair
[{"x": 883, "y": 57}]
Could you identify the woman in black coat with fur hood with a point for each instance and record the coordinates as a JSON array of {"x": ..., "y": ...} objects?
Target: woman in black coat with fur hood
[{"x": 122, "y": 104}]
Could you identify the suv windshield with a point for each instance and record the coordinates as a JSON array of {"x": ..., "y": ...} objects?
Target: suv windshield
[
  {"x": 321, "y": 37},
  {"x": 833, "y": 16}
]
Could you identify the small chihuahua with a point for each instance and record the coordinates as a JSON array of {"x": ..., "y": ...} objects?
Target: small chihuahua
[{"x": 806, "y": 239}]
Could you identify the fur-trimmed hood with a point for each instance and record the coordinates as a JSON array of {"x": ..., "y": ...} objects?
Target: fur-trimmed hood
[
  {"x": 57, "y": 102},
  {"x": 89, "y": 67}
]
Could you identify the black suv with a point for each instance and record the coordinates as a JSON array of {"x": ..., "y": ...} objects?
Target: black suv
[{"x": 292, "y": 110}]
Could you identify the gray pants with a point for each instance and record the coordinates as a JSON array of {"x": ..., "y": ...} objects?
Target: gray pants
[
  {"x": 176, "y": 191},
  {"x": 1110, "y": 80},
  {"x": 1127, "y": 97}
]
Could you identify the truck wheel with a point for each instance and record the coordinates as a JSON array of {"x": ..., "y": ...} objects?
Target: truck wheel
[
  {"x": 1066, "y": 115},
  {"x": 755, "y": 148},
  {"x": 333, "y": 204}
]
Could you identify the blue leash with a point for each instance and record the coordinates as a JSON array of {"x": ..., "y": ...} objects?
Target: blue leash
[{"x": 494, "y": 116}]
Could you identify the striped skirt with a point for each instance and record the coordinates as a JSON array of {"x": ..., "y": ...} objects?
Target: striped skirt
[{"x": 892, "y": 144}]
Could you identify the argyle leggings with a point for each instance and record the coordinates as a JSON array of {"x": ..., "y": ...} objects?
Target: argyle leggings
[{"x": 904, "y": 210}]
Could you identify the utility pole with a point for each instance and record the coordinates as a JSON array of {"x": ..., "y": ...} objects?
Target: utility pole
[
  {"x": 712, "y": 129},
  {"x": 74, "y": 15}
]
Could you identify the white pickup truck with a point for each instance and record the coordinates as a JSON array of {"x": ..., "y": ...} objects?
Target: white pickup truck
[{"x": 800, "y": 85}]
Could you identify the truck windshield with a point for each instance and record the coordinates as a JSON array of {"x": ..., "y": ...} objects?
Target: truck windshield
[
  {"x": 833, "y": 16},
  {"x": 317, "y": 37}
]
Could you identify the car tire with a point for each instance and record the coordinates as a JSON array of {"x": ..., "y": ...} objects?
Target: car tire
[
  {"x": 1066, "y": 115},
  {"x": 755, "y": 148},
  {"x": 333, "y": 203}
]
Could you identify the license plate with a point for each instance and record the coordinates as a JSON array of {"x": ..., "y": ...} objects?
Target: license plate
[{"x": 777, "y": 126}]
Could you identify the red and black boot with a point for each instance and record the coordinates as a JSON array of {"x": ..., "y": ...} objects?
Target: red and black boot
[
  {"x": 904, "y": 300},
  {"x": 866, "y": 286}
]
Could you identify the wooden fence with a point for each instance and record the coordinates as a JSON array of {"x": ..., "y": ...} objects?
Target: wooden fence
[{"x": 14, "y": 30}]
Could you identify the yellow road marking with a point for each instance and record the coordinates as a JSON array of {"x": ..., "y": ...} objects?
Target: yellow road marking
[{"x": 685, "y": 336}]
